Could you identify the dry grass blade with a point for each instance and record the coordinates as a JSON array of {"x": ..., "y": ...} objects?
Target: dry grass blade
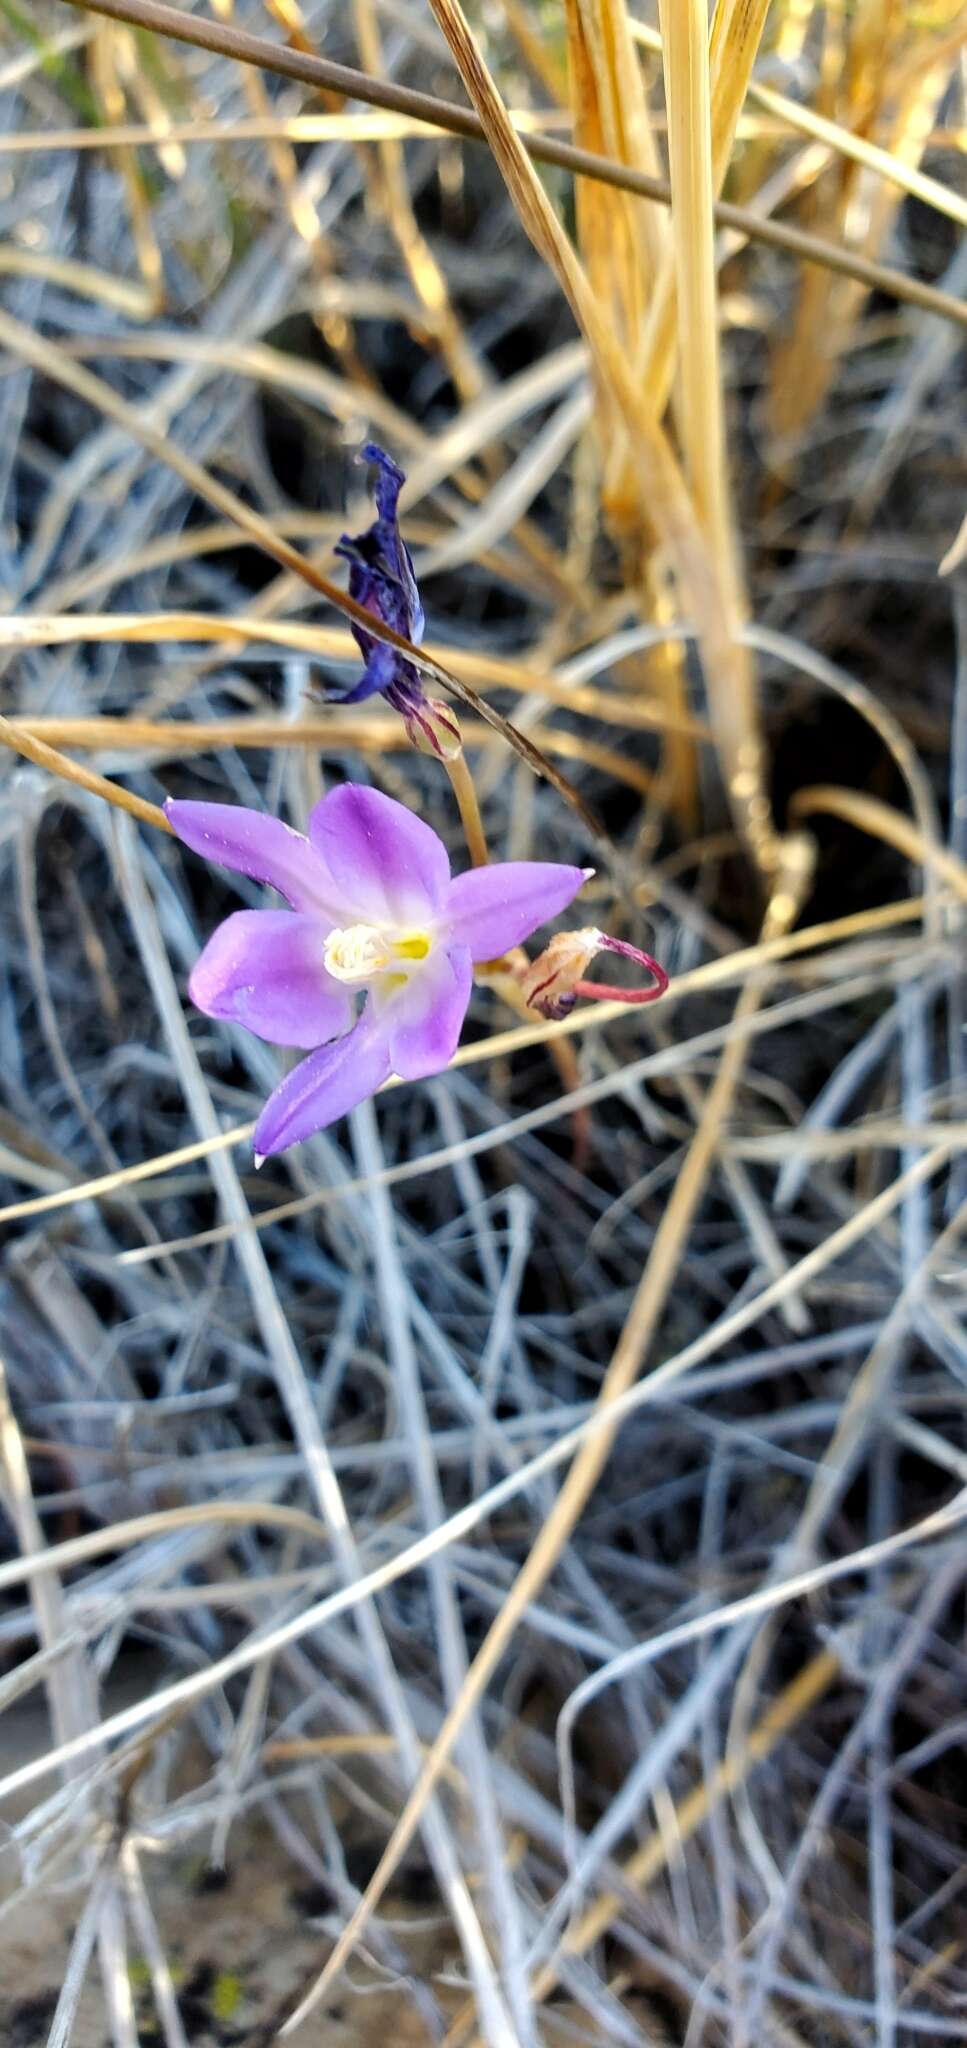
[
  {"x": 37, "y": 750},
  {"x": 82, "y": 278},
  {"x": 957, "y": 551},
  {"x": 625, "y": 1365},
  {"x": 660, "y": 480},
  {"x": 737, "y": 30},
  {"x": 467, "y": 665},
  {"x": 870, "y": 815},
  {"x": 686, "y": 72},
  {"x": 623, "y": 247},
  {"x": 731, "y": 686},
  {"x": 171, "y": 21},
  {"x": 872, "y": 78},
  {"x": 171, "y": 739},
  {"x": 111, "y": 50},
  {"x": 357, "y": 126},
  {"x": 736, "y": 33},
  {"x": 692, "y": 1812}
]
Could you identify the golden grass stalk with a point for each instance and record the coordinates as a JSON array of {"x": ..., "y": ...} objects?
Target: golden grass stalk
[
  {"x": 621, "y": 243},
  {"x": 685, "y": 60},
  {"x": 663, "y": 488},
  {"x": 899, "y": 170},
  {"x": 21, "y": 741},
  {"x": 869, "y": 82},
  {"x": 371, "y": 126},
  {"x": 623, "y": 247},
  {"x": 732, "y": 693},
  {"x": 736, "y": 34},
  {"x": 732, "y": 50},
  {"x": 445, "y": 115},
  {"x": 333, "y": 643},
  {"x": 172, "y": 738},
  {"x": 882, "y": 821}
]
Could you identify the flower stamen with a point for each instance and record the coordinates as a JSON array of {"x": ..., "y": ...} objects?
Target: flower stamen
[{"x": 358, "y": 951}]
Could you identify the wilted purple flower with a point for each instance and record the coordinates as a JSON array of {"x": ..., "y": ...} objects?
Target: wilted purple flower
[
  {"x": 381, "y": 578},
  {"x": 374, "y": 911}
]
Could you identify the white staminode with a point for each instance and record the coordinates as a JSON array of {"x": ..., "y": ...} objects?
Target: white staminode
[{"x": 360, "y": 951}]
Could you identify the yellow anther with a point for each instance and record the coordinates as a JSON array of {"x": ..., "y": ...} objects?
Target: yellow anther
[{"x": 415, "y": 946}]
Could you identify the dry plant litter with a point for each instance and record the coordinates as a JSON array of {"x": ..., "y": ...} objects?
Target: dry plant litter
[{"x": 498, "y": 1575}]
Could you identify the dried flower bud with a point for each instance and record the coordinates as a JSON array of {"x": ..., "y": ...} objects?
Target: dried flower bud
[
  {"x": 432, "y": 728},
  {"x": 554, "y": 981},
  {"x": 551, "y": 980}
]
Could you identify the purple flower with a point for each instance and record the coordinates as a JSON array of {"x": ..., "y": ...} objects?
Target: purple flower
[
  {"x": 373, "y": 911},
  {"x": 381, "y": 578}
]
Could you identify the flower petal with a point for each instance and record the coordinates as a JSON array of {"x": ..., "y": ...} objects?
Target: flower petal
[
  {"x": 492, "y": 909},
  {"x": 324, "y": 1087},
  {"x": 424, "y": 1020},
  {"x": 379, "y": 674},
  {"x": 388, "y": 867},
  {"x": 389, "y": 480},
  {"x": 263, "y": 969},
  {"x": 250, "y": 843}
]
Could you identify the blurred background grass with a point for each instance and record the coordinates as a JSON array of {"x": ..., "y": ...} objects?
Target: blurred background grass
[{"x": 589, "y": 1420}]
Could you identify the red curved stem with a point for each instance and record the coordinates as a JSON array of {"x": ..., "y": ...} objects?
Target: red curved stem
[{"x": 603, "y": 992}]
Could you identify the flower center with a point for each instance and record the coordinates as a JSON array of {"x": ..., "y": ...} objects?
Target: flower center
[{"x": 361, "y": 951}]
